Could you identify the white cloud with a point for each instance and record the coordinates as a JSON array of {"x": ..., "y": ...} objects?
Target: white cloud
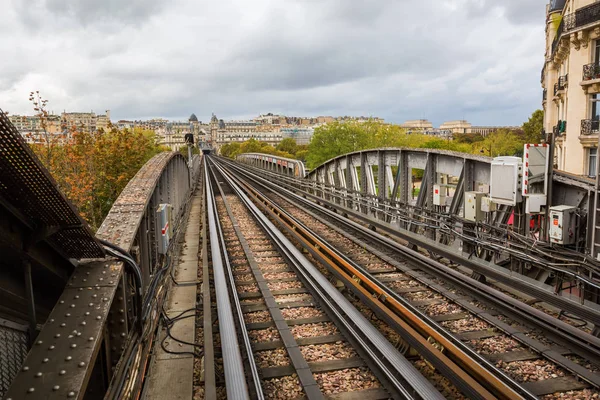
[{"x": 395, "y": 59}]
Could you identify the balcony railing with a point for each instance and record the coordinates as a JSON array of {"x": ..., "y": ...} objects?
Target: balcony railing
[
  {"x": 591, "y": 71},
  {"x": 561, "y": 84},
  {"x": 590, "y": 126},
  {"x": 583, "y": 16}
]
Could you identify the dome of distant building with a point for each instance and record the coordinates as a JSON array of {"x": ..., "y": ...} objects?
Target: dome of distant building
[{"x": 193, "y": 118}]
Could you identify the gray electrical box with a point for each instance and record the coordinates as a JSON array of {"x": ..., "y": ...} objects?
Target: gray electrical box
[
  {"x": 165, "y": 222},
  {"x": 506, "y": 180},
  {"x": 562, "y": 224},
  {"x": 473, "y": 206},
  {"x": 439, "y": 195}
]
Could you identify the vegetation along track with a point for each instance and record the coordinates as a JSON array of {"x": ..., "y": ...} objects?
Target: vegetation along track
[
  {"x": 302, "y": 337},
  {"x": 521, "y": 350}
]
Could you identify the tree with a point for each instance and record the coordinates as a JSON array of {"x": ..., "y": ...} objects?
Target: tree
[
  {"x": 503, "y": 142},
  {"x": 534, "y": 127},
  {"x": 334, "y": 139},
  {"x": 92, "y": 168},
  {"x": 287, "y": 145}
]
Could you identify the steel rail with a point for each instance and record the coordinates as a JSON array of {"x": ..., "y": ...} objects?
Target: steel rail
[
  {"x": 381, "y": 351},
  {"x": 588, "y": 345},
  {"x": 483, "y": 267},
  {"x": 577, "y": 340},
  {"x": 233, "y": 365},
  {"x": 458, "y": 363},
  {"x": 238, "y": 307}
]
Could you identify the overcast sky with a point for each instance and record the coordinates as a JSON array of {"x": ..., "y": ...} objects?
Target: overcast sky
[{"x": 398, "y": 59}]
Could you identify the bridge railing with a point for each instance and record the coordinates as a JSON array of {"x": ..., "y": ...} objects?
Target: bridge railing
[
  {"x": 281, "y": 165},
  {"x": 420, "y": 194},
  {"x": 98, "y": 308}
]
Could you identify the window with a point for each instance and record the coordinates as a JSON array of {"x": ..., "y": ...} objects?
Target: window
[{"x": 592, "y": 161}]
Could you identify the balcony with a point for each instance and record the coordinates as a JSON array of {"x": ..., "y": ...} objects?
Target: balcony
[
  {"x": 560, "y": 86},
  {"x": 590, "y": 126},
  {"x": 591, "y": 78},
  {"x": 579, "y": 19}
]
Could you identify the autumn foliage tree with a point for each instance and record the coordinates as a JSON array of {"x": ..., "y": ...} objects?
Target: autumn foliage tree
[{"x": 92, "y": 168}]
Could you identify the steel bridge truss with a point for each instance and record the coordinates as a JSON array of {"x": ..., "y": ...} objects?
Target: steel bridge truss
[{"x": 395, "y": 189}]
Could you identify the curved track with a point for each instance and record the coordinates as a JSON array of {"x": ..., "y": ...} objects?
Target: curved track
[{"x": 426, "y": 280}]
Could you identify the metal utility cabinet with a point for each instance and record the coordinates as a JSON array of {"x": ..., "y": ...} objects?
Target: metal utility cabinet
[{"x": 562, "y": 224}]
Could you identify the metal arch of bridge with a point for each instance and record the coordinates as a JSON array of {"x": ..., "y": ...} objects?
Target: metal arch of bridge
[
  {"x": 377, "y": 186},
  {"x": 79, "y": 347},
  {"x": 281, "y": 165},
  {"x": 387, "y": 175},
  {"x": 456, "y": 172}
]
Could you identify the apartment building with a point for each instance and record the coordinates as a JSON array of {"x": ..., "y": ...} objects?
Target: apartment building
[
  {"x": 571, "y": 83},
  {"x": 301, "y": 134}
]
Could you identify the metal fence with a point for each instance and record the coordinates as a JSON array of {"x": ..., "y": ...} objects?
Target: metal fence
[{"x": 13, "y": 349}]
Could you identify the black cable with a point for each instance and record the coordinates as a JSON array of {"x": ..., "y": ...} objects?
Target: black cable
[{"x": 138, "y": 280}]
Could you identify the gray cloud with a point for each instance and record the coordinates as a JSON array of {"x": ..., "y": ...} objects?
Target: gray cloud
[{"x": 436, "y": 59}]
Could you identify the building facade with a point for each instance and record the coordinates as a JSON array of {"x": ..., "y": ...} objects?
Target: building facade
[
  {"x": 417, "y": 126},
  {"x": 301, "y": 134},
  {"x": 571, "y": 84}
]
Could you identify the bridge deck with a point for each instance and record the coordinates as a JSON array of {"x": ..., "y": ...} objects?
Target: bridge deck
[{"x": 172, "y": 375}]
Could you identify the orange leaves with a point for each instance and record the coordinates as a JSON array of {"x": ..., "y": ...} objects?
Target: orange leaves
[{"x": 93, "y": 168}]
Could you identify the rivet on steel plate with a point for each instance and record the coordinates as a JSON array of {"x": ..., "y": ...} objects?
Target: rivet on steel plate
[
  {"x": 81, "y": 364},
  {"x": 51, "y": 347},
  {"x": 68, "y": 358},
  {"x": 91, "y": 338},
  {"x": 62, "y": 302},
  {"x": 83, "y": 323},
  {"x": 98, "y": 318},
  {"x": 25, "y": 368},
  {"x": 55, "y": 387},
  {"x": 62, "y": 372},
  {"x": 45, "y": 360},
  {"x": 38, "y": 375},
  {"x": 31, "y": 390},
  {"x": 72, "y": 305},
  {"x": 39, "y": 342},
  {"x": 87, "y": 313},
  {"x": 73, "y": 346},
  {"x": 63, "y": 324},
  {"x": 71, "y": 394},
  {"x": 91, "y": 304},
  {"x": 67, "y": 314}
]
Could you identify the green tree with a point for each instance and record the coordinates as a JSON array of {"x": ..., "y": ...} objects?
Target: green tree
[
  {"x": 334, "y": 139},
  {"x": 287, "y": 145},
  {"x": 500, "y": 143},
  {"x": 534, "y": 127}
]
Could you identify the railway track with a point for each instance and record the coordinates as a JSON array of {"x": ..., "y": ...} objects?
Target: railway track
[
  {"x": 542, "y": 366},
  {"x": 298, "y": 336}
]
